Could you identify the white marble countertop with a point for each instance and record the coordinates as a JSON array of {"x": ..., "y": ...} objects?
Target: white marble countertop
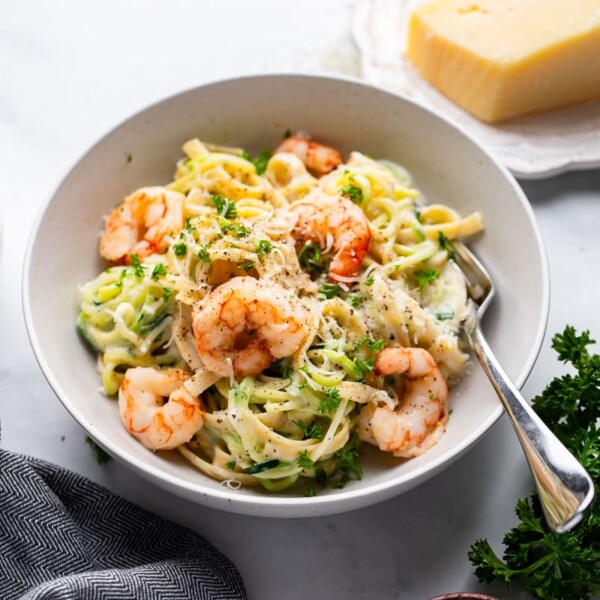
[{"x": 70, "y": 71}]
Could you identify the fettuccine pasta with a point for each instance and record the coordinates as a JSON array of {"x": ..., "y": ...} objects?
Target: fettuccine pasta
[{"x": 265, "y": 316}]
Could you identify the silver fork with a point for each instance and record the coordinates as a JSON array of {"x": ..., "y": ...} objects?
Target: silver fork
[{"x": 565, "y": 489}]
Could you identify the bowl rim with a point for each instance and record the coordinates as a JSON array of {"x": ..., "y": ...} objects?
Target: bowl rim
[{"x": 345, "y": 499}]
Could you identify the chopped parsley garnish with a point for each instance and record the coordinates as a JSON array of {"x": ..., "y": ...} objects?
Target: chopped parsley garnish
[
  {"x": 355, "y": 300},
  {"x": 370, "y": 281},
  {"x": 231, "y": 465},
  {"x": 309, "y": 493},
  {"x": 371, "y": 344},
  {"x": 353, "y": 193},
  {"x": 180, "y": 249},
  {"x": 363, "y": 366},
  {"x": 225, "y": 207},
  {"x": 557, "y": 566},
  {"x": 247, "y": 265},
  {"x": 158, "y": 271},
  {"x": 167, "y": 293},
  {"x": 304, "y": 461},
  {"x": 311, "y": 258},
  {"x": 136, "y": 265},
  {"x": 203, "y": 253},
  {"x": 101, "y": 455},
  {"x": 347, "y": 460},
  {"x": 330, "y": 402},
  {"x": 330, "y": 290},
  {"x": 260, "y": 162},
  {"x": 418, "y": 214},
  {"x": 233, "y": 227},
  {"x": 445, "y": 244},
  {"x": 313, "y": 431},
  {"x": 188, "y": 225},
  {"x": 425, "y": 277},
  {"x": 263, "y": 247},
  {"x": 240, "y": 394}
]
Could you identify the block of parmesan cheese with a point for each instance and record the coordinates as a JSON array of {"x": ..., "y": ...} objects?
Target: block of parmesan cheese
[{"x": 504, "y": 58}]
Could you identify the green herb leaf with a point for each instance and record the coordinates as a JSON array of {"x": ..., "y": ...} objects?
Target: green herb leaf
[
  {"x": 313, "y": 431},
  {"x": 101, "y": 455},
  {"x": 203, "y": 253},
  {"x": 237, "y": 229},
  {"x": 331, "y": 401},
  {"x": 304, "y": 461},
  {"x": 260, "y": 162},
  {"x": 355, "y": 300},
  {"x": 371, "y": 344},
  {"x": 347, "y": 460},
  {"x": 370, "y": 281},
  {"x": 136, "y": 265},
  {"x": 247, "y": 265},
  {"x": 188, "y": 225},
  {"x": 445, "y": 244},
  {"x": 363, "y": 366},
  {"x": 167, "y": 293},
  {"x": 158, "y": 271},
  {"x": 425, "y": 277},
  {"x": 263, "y": 247},
  {"x": 353, "y": 193},
  {"x": 225, "y": 207},
  {"x": 180, "y": 249},
  {"x": 330, "y": 290},
  {"x": 311, "y": 259}
]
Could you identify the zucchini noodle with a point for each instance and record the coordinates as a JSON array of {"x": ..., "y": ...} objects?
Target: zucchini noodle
[{"x": 296, "y": 420}]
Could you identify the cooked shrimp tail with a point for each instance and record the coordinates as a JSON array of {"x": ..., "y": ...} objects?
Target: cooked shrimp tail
[
  {"x": 156, "y": 425},
  {"x": 141, "y": 224},
  {"x": 318, "y": 158},
  {"x": 419, "y": 420},
  {"x": 336, "y": 222}
]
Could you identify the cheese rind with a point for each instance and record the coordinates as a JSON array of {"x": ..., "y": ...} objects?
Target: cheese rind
[{"x": 504, "y": 58}]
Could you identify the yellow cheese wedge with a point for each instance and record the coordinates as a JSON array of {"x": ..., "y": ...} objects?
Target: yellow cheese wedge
[{"x": 503, "y": 58}]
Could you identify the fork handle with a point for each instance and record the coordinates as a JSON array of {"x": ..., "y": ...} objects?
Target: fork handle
[{"x": 565, "y": 489}]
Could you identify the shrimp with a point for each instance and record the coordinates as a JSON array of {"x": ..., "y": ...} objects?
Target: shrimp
[
  {"x": 247, "y": 323},
  {"x": 156, "y": 425},
  {"x": 418, "y": 422},
  {"x": 139, "y": 225},
  {"x": 317, "y": 158},
  {"x": 337, "y": 222}
]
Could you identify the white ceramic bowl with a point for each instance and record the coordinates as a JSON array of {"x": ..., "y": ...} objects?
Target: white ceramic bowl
[{"x": 254, "y": 112}]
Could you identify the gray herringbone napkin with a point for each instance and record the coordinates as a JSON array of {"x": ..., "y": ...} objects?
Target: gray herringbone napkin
[{"x": 63, "y": 537}]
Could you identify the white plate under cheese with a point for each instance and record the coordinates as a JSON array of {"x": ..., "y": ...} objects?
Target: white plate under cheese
[{"x": 531, "y": 147}]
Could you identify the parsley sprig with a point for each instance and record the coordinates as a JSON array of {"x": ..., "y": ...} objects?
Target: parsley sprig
[
  {"x": 556, "y": 566},
  {"x": 225, "y": 207},
  {"x": 330, "y": 402},
  {"x": 352, "y": 192},
  {"x": 425, "y": 276},
  {"x": 260, "y": 161}
]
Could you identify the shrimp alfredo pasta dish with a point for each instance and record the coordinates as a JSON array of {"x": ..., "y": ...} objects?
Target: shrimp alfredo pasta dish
[{"x": 264, "y": 316}]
